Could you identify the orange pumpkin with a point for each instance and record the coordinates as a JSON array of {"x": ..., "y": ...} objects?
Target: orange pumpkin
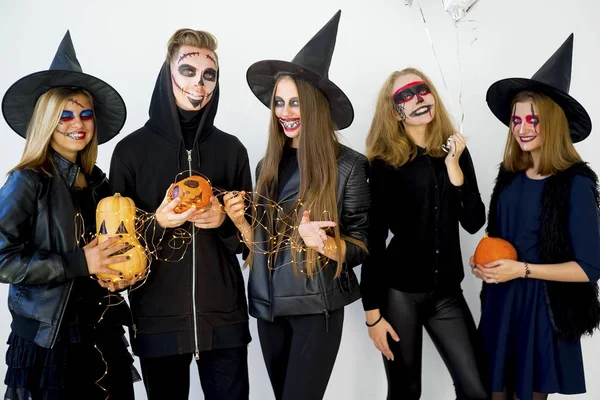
[
  {"x": 115, "y": 216},
  {"x": 491, "y": 249},
  {"x": 193, "y": 190}
]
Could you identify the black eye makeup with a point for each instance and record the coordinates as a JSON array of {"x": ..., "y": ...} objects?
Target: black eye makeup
[
  {"x": 210, "y": 74},
  {"x": 279, "y": 102},
  {"x": 187, "y": 70}
]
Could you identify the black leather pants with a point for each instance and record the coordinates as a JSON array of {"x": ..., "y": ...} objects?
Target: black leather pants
[{"x": 450, "y": 325}]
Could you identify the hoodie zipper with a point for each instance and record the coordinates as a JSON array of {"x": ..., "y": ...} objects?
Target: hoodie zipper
[{"x": 196, "y": 350}]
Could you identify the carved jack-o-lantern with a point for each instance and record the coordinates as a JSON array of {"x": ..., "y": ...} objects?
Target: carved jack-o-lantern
[
  {"x": 115, "y": 216},
  {"x": 194, "y": 190}
]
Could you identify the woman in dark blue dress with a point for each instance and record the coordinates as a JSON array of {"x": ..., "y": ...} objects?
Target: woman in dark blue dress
[{"x": 545, "y": 203}]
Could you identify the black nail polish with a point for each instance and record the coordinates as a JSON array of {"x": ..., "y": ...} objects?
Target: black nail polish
[
  {"x": 126, "y": 243},
  {"x": 128, "y": 257},
  {"x": 136, "y": 275},
  {"x": 120, "y": 236}
]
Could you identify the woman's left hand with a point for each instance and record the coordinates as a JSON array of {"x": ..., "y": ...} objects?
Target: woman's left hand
[
  {"x": 457, "y": 146},
  {"x": 312, "y": 232},
  {"x": 500, "y": 271}
]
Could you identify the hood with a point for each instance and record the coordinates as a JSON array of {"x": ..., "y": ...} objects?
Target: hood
[{"x": 164, "y": 118}]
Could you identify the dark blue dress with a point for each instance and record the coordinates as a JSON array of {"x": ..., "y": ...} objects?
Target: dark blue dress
[{"x": 515, "y": 323}]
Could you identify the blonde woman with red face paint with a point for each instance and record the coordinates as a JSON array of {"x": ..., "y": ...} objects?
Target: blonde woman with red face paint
[
  {"x": 414, "y": 283},
  {"x": 545, "y": 202}
]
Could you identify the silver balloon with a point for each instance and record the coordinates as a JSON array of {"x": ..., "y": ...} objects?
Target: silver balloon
[{"x": 458, "y": 8}]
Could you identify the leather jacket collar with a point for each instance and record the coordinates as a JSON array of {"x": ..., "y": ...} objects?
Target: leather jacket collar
[{"x": 65, "y": 168}]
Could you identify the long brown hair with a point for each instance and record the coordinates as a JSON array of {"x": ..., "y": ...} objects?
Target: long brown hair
[
  {"x": 44, "y": 120},
  {"x": 387, "y": 139},
  {"x": 317, "y": 159},
  {"x": 557, "y": 152}
]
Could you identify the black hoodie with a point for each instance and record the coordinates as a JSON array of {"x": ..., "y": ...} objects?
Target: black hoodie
[{"x": 143, "y": 166}]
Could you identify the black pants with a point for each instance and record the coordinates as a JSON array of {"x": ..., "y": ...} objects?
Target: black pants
[
  {"x": 223, "y": 375},
  {"x": 450, "y": 325},
  {"x": 299, "y": 353}
]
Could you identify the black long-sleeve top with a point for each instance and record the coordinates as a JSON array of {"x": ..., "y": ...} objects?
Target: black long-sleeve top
[{"x": 420, "y": 206}]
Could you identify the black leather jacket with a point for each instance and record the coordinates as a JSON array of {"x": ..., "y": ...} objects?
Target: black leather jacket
[
  {"x": 284, "y": 291},
  {"x": 39, "y": 254}
]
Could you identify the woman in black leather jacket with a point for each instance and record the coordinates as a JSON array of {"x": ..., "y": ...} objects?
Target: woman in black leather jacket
[
  {"x": 67, "y": 331},
  {"x": 310, "y": 221}
]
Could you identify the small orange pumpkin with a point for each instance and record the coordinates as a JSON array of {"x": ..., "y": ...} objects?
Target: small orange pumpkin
[
  {"x": 193, "y": 190},
  {"x": 491, "y": 249},
  {"x": 115, "y": 216}
]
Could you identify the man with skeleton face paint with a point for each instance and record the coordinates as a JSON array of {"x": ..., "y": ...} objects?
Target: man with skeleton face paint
[
  {"x": 194, "y": 75},
  {"x": 194, "y": 305}
]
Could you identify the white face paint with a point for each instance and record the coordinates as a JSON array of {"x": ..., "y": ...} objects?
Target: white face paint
[
  {"x": 287, "y": 107},
  {"x": 194, "y": 77}
]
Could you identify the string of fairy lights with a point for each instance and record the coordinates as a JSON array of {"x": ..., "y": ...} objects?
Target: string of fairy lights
[{"x": 173, "y": 246}]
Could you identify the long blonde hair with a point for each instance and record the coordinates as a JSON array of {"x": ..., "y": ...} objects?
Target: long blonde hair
[
  {"x": 558, "y": 152},
  {"x": 45, "y": 119},
  {"x": 387, "y": 139},
  {"x": 317, "y": 159}
]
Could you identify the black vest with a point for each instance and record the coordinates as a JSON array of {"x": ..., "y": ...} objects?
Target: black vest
[{"x": 574, "y": 307}]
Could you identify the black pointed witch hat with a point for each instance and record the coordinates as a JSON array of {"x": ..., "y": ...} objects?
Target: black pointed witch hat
[
  {"x": 553, "y": 80},
  {"x": 65, "y": 71},
  {"x": 310, "y": 64}
]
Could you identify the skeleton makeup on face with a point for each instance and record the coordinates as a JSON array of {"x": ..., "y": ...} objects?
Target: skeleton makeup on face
[
  {"x": 412, "y": 109},
  {"x": 194, "y": 77},
  {"x": 525, "y": 126}
]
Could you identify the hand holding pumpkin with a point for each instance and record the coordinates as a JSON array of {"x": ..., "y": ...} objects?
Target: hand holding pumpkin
[
  {"x": 123, "y": 283},
  {"x": 98, "y": 256},
  {"x": 494, "y": 261},
  {"x": 166, "y": 216},
  {"x": 209, "y": 217},
  {"x": 501, "y": 271}
]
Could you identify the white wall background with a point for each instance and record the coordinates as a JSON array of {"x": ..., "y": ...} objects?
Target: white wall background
[{"x": 123, "y": 42}]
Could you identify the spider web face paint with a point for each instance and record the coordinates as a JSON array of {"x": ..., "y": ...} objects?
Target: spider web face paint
[
  {"x": 414, "y": 100},
  {"x": 194, "y": 77}
]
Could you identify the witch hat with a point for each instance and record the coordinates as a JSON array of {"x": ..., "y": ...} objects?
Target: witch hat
[
  {"x": 553, "y": 79},
  {"x": 310, "y": 64},
  {"x": 65, "y": 71}
]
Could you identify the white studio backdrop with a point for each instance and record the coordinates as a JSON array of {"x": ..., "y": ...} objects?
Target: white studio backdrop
[{"x": 123, "y": 42}]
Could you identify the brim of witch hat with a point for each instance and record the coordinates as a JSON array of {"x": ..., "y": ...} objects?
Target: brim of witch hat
[
  {"x": 311, "y": 64},
  {"x": 263, "y": 75},
  {"x": 501, "y": 94},
  {"x": 553, "y": 80},
  {"x": 20, "y": 99}
]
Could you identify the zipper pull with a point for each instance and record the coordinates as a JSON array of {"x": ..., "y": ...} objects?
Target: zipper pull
[
  {"x": 134, "y": 331},
  {"x": 189, "y": 155},
  {"x": 326, "y": 319},
  {"x": 197, "y": 354}
]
